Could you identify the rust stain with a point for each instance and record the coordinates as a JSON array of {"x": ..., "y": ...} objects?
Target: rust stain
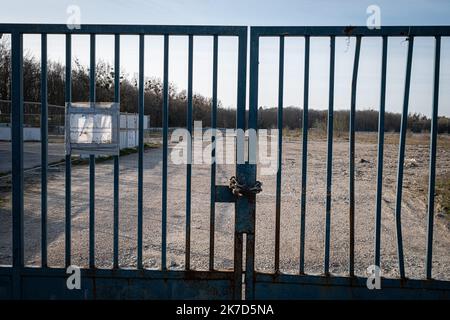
[{"x": 349, "y": 30}]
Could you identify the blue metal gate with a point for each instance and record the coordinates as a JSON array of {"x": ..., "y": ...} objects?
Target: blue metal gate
[
  {"x": 326, "y": 286},
  {"x": 21, "y": 282}
]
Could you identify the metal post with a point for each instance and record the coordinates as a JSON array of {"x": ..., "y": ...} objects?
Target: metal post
[
  {"x": 92, "y": 161},
  {"x": 213, "y": 156},
  {"x": 165, "y": 151},
  {"x": 304, "y": 156},
  {"x": 280, "y": 154},
  {"x": 433, "y": 146},
  {"x": 44, "y": 149},
  {"x": 380, "y": 153},
  {"x": 352, "y": 157},
  {"x": 141, "y": 151},
  {"x": 116, "y": 158},
  {"x": 68, "y": 173},
  {"x": 329, "y": 158},
  {"x": 189, "y": 156},
  {"x": 17, "y": 159},
  {"x": 401, "y": 158}
]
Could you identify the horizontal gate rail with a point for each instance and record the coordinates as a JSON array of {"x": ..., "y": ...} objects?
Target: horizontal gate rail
[
  {"x": 339, "y": 31},
  {"x": 266, "y": 285},
  {"x": 17, "y": 281},
  {"x": 125, "y": 29},
  {"x": 50, "y": 283},
  {"x": 290, "y": 287}
]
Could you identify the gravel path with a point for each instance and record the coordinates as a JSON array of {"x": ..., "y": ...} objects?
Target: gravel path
[{"x": 413, "y": 213}]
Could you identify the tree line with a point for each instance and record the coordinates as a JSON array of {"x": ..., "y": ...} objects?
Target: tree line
[{"x": 366, "y": 120}]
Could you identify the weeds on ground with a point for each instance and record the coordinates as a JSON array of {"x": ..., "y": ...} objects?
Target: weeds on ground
[
  {"x": 443, "y": 194},
  {"x": 123, "y": 152}
]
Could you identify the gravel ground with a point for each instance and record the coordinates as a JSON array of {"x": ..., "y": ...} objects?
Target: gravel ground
[
  {"x": 413, "y": 212},
  {"x": 32, "y": 154}
]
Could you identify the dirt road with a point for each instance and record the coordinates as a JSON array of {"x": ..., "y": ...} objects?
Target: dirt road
[{"x": 413, "y": 212}]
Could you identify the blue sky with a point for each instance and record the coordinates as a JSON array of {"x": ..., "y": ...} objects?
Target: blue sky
[
  {"x": 253, "y": 12},
  {"x": 238, "y": 12}
]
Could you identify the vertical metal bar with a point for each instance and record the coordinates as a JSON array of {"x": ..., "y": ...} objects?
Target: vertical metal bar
[
  {"x": 304, "y": 155},
  {"x": 280, "y": 154},
  {"x": 352, "y": 157},
  {"x": 141, "y": 150},
  {"x": 17, "y": 161},
  {"x": 238, "y": 264},
  {"x": 17, "y": 147},
  {"x": 401, "y": 158},
  {"x": 433, "y": 145},
  {"x": 329, "y": 158},
  {"x": 189, "y": 156},
  {"x": 253, "y": 82},
  {"x": 44, "y": 149},
  {"x": 250, "y": 260},
  {"x": 240, "y": 203},
  {"x": 380, "y": 153},
  {"x": 116, "y": 158},
  {"x": 165, "y": 146},
  {"x": 68, "y": 174},
  {"x": 92, "y": 161},
  {"x": 213, "y": 156}
]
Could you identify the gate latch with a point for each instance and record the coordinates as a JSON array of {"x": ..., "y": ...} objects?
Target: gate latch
[{"x": 240, "y": 190}]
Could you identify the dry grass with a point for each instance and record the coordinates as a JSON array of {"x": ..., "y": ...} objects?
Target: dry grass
[
  {"x": 443, "y": 194},
  {"x": 371, "y": 137},
  {"x": 391, "y": 138},
  {"x": 411, "y": 138}
]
